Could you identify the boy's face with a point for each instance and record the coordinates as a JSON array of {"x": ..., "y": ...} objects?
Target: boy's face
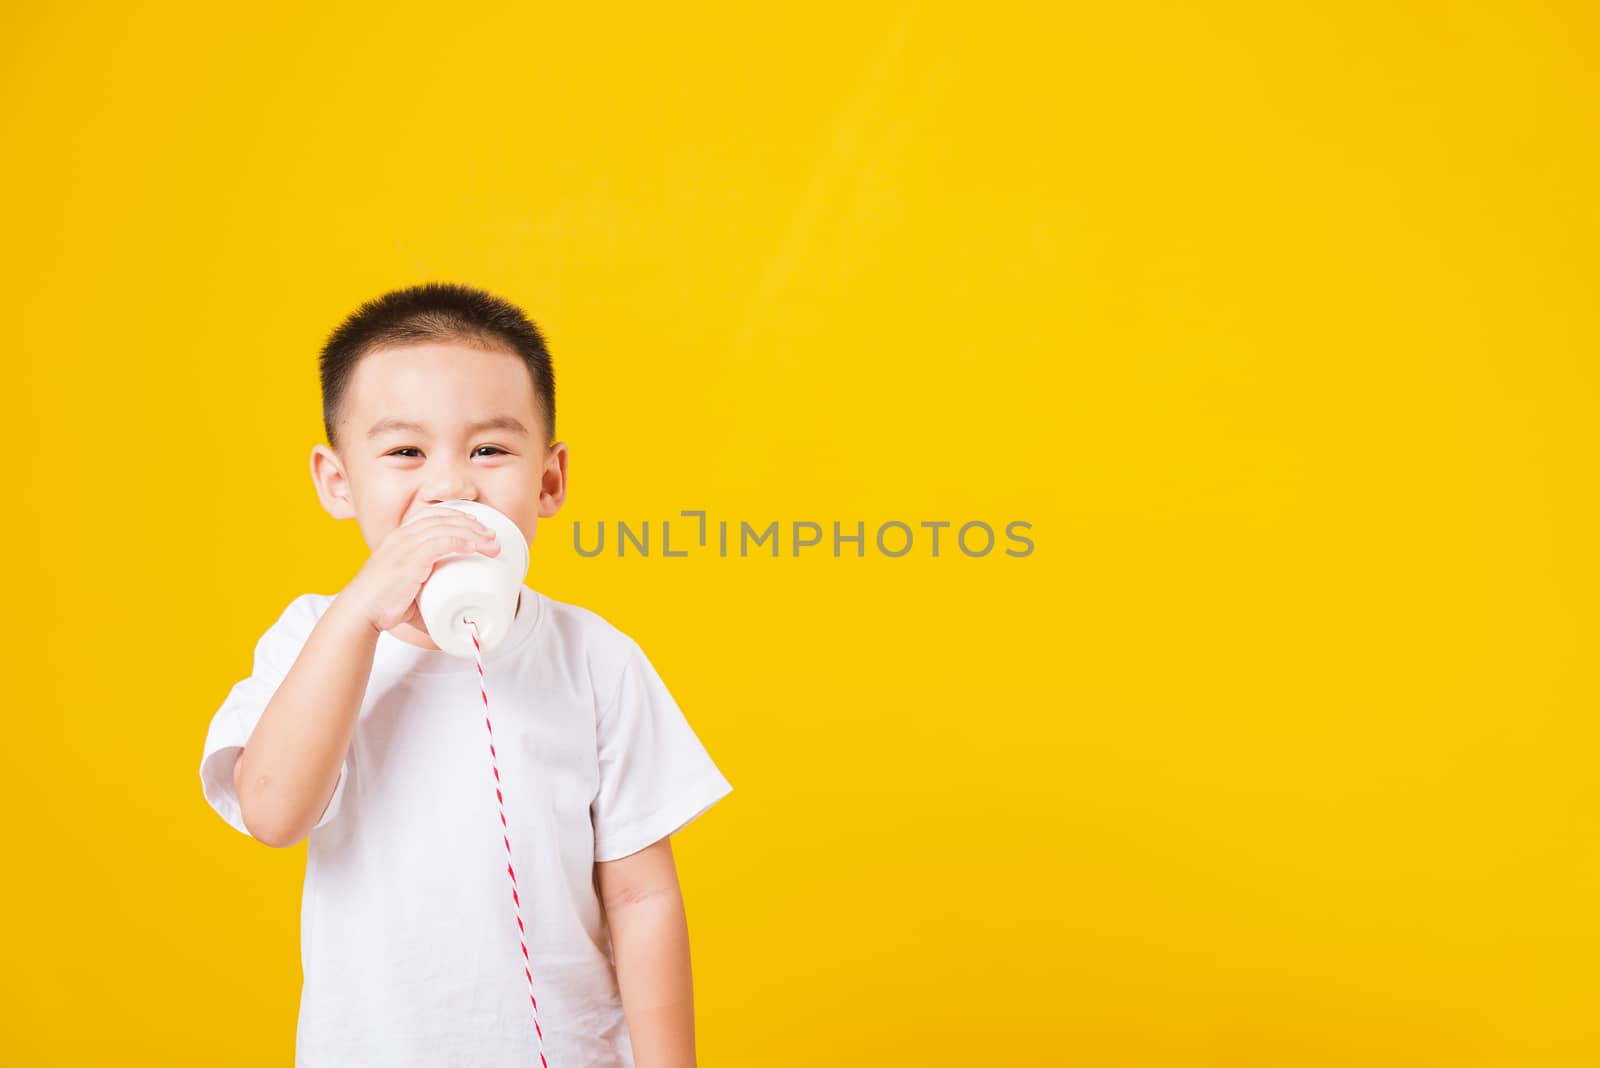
[{"x": 413, "y": 431}]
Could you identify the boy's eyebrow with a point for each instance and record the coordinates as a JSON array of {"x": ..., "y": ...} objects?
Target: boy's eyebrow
[{"x": 498, "y": 422}]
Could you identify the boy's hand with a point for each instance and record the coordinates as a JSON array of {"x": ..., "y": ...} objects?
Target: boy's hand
[{"x": 384, "y": 592}]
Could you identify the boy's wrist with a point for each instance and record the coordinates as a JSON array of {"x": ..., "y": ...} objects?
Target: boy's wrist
[{"x": 347, "y": 616}]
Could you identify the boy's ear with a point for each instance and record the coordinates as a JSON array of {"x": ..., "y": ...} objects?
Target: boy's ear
[
  {"x": 553, "y": 480},
  {"x": 333, "y": 485}
]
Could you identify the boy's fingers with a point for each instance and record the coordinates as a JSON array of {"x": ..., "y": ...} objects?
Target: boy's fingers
[
  {"x": 439, "y": 545},
  {"x": 418, "y": 540},
  {"x": 454, "y": 518}
]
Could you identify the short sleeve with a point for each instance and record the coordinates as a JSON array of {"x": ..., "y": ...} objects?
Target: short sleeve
[
  {"x": 655, "y": 776},
  {"x": 233, "y": 723}
]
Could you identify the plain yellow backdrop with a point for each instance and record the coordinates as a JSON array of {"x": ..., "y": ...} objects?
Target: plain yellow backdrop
[{"x": 1277, "y": 323}]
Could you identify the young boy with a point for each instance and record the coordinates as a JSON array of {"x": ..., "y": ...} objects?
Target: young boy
[{"x": 355, "y": 728}]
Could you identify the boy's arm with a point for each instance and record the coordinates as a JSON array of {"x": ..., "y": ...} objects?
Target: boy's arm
[
  {"x": 286, "y": 775},
  {"x": 650, "y": 943}
]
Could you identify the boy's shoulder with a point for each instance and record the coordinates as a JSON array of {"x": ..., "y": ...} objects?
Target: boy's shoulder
[
  {"x": 607, "y": 647},
  {"x": 280, "y": 642},
  {"x": 612, "y": 658}
]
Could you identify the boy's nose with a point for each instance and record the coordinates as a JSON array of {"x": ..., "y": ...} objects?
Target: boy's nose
[{"x": 450, "y": 489}]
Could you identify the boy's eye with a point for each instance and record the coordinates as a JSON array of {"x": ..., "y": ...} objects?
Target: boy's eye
[{"x": 412, "y": 448}]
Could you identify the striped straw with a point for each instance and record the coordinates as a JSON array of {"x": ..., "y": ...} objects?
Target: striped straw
[{"x": 516, "y": 902}]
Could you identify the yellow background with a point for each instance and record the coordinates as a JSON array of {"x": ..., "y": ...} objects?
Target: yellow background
[{"x": 1277, "y": 323}]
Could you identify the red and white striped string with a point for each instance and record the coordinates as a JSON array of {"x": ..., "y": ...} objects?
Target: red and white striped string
[{"x": 516, "y": 902}]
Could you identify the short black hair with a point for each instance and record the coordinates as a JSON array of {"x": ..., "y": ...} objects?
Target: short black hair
[{"x": 435, "y": 312}]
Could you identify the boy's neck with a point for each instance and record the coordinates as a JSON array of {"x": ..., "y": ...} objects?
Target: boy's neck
[{"x": 419, "y": 637}]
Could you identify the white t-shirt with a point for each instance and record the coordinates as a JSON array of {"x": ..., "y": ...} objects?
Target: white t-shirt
[{"x": 408, "y": 936}]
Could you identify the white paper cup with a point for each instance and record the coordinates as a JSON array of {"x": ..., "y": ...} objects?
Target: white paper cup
[{"x": 472, "y": 586}]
